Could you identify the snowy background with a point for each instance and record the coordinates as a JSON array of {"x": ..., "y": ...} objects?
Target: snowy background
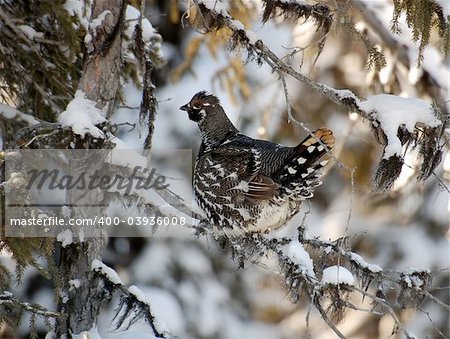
[{"x": 195, "y": 289}]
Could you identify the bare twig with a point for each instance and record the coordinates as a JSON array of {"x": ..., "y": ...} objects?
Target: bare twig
[
  {"x": 360, "y": 309},
  {"x": 437, "y": 301},
  {"x": 433, "y": 324},
  {"x": 388, "y": 308}
]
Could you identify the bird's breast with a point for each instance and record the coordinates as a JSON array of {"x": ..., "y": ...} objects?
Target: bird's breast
[{"x": 272, "y": 216}]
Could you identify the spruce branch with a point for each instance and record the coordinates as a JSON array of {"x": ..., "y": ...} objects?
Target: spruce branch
[
  {"x": 426, "y": 138},
  {"x": 373, "y": 282},
  {"x": 8, "y": 299},
  {"x": 132, "y": 300},
  {"x": 13, "y": 115}
]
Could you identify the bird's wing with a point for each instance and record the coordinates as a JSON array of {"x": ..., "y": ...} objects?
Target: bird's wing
[{"x": 243, "y": 175}]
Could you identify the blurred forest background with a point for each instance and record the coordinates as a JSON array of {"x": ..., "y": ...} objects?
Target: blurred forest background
[{"x": 396, "y": 47}]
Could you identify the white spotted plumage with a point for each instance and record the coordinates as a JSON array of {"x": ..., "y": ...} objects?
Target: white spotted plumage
[{"x": 249, "y": 185}]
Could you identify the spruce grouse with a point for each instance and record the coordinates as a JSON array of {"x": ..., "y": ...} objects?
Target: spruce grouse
[{"x": 247, "y": 185}]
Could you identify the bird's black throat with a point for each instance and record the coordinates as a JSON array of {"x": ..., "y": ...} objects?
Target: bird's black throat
[{"x": 195, "y": 115}]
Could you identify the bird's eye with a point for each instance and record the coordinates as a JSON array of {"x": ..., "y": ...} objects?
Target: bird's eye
[{"x": 196, "y": 107}]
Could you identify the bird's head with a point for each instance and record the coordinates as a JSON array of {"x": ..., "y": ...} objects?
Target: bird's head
[
  {"x": 206, "y": 111},
  {"x": 202, "y": 105}
]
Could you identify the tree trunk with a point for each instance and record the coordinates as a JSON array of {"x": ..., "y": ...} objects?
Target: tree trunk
[{"x": 99, "y": 82}]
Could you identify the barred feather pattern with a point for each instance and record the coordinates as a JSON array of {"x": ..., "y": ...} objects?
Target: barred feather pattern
[
  {"x": 256, "y": 186},
  {"x": 249, "y": 185}
]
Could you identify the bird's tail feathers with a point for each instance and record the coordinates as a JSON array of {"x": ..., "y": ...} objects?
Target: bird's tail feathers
[{"x": 305, "y": 164}]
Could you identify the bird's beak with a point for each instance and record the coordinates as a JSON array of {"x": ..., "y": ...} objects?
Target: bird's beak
[{"x": 184, "y": 108}]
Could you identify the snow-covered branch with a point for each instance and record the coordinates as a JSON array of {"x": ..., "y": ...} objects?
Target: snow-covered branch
[
  {"x": 329, "y": 286},
  {"x": 421, "y": 129},
  {"x": 87, "y": 113},
  {"x": 8, "y": 299},
  {"x": 257, "y": 49},
  {"x": 134, "y": 304},
  {"x": 9, "y": 113}
]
